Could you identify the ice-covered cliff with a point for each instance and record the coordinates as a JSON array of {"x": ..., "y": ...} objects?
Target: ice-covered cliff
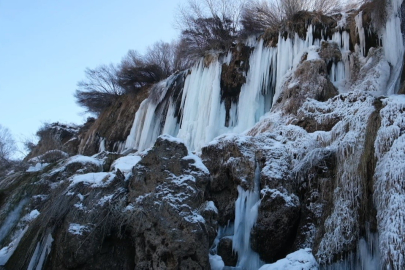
[{"x": 283, "y": 153}]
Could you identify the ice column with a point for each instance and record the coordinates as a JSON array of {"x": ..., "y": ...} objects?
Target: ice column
[{"x": 246, "y": 211}]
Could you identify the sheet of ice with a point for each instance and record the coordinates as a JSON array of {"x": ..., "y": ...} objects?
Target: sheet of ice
[
  {"x": 7, "y": 251},
  {"x": 99, "y": 179},
  {"x": 246, "y": 211},
  {"x": 157, "y": 109},
  {"x": 12, "y": 219},
  {"x": 360, "y": 32},
  {"x": 389, "y": 193},
  {"x": 298, "y": 260},
  {"x": 203, "y": 115},
  {"x": 393, "y": 44},
  {"x": 101, "y": 148}
]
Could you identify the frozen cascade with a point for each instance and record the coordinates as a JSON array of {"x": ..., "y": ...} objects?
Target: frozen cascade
[
  {"x": 246, "y": 211},
  {"x": 11, "y": 220},
  {"x": 158, "y": 108},
  {"x": 361, "y": 33},
  {"x": 42, "y": 250},
  {"x": 201, "y": 116},
  {"x": 366, "y": 257},
  {"x": 290, "y": 51},
  {"x": 393, "y": 45},
  {"x": 257, "y": 93},
  {"x": 216, "y": 261},
  {"x": 202, "y": 112}
]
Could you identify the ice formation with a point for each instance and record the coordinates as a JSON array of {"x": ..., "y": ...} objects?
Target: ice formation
[
  {"x": 246, "y": 210},
  {"x": 200, "y": 116},
  {"x": 188, "y": 106}
]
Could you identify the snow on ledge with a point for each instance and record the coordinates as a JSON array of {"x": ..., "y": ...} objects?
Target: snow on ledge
[
  {"x": 299, "y": 260},
  {"x": 38, "y": 167},
  {"x": 197, "y": 162},
  {"x": 100, "y": 179},
  {"x": 125, "y": 164},
  {"x": 169, "y": 138},
  {"x": 84, "y": 159}
]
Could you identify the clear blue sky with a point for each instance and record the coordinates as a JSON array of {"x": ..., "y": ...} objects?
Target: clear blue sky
[{"x": 45, "y": 46}]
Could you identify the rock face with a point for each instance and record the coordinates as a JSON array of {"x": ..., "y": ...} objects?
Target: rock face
[
  {"x": 276, "y": 226},
  {"x": 113, "y": 126},
  {"x": 309, "y": 80},
  {"x": 225, "y": 250},
  {"x": 317, "y": 180},
  {"x": 84, "y": 218},
  {"x": 56, "y": 136},
  {"x": 166, "y": 192},
  {"x": 229, "y": 166}
]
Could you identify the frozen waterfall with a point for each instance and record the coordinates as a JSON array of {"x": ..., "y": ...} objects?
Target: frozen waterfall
[{"x": 195, "y": 111}]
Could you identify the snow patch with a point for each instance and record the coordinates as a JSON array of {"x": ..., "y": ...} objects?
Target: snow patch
[
  {"x": 100, "y": 179},
  {"x": 38, "y": 167},
  {"x": 125, "y": 164},
  {"x": 77, "y": 229},
  {"x": 298, "y": 260}
]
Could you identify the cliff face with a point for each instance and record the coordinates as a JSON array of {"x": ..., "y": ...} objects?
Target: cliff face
[
  {"x": 112, "y": 127},
  {"x": 289, "y": 154}
]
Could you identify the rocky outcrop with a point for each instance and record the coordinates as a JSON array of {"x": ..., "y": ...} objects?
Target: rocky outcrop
[
  {"x": 276, "y": 226},
  {"x": 167, "y": 210},
  {"x": 230, "y": 163},
  {"x": 309, "y": 80},
  {"x": 55, "y": 137},
  {"x": 112, "y": 127},
  {"x": 80, "y": 217}
]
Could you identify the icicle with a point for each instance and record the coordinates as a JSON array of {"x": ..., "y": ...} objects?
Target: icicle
[
  {"x": 202, "y": 115},
  {"x": 252, "y": 103},
  {"x": 360, "y": 31},
  {"x": 101, "y": 148},
  {"x": 393, "y": 45}
]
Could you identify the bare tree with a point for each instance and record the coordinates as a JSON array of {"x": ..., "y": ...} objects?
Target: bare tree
[
  {"x": 137, "y": 71},
  {"x": 100, "y": 88},
  {"x": 102, "y": 79},
  {"x": 209, "y": 24},
  {"x": 161, "y": 54},
  {"x": 7, "y": 147}
]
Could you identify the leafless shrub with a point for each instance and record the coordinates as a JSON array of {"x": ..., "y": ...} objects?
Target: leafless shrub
[
  {"x": 259, "y": 15},
  {"x": 99, "y": 89},
  {"x": 161, "y": 54},
  {"x": 209, "y": 24}
]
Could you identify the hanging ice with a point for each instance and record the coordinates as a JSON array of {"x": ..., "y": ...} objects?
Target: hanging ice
[{"x": 246, "y": 211}]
